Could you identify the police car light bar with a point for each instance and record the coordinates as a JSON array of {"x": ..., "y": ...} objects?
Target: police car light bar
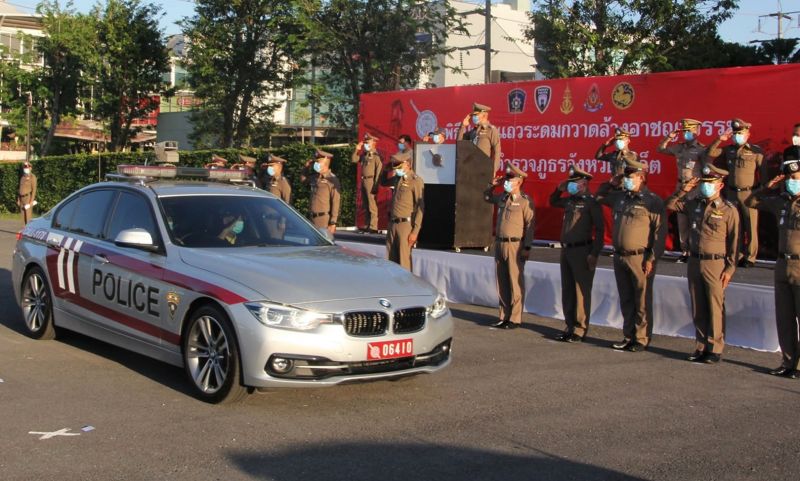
[
  {"x": 171, "y": 172},
  {"x": 165, "y": 172}
]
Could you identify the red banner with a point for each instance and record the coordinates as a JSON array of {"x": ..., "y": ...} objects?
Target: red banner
[{"x": 547, "y": 125}]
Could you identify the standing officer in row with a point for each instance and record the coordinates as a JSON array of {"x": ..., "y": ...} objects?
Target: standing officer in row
[
  {"x": 638, "y": 240},
  {"x": 515, "y": 223},
  {"x": 690, "y": 157},
  {"x": 793, "y": 151},
  {"x": 744, "y": 162},
  {"x": 366, "y": 153},
  {"x": 273, "y": 180},
  {"x": 617, "y": 158},
  {"x": 582, "y": 240},
  {"x": 786, "y": 208},
  {"x": 26, "y": 195},
  {"x": 405, "y": 213},
  {"x": 713, "y": 244},
  {"x": 325, "y": 191},
  {"x": 483, "y": 134}
]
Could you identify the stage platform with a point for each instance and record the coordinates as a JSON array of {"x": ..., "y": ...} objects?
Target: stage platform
[{"x": 469, "y": 277}]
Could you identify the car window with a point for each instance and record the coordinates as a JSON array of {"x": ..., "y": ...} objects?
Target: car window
[
  {"x": 132, "y": 211},
  {"x": 64, "y": 214},
  {"x": 91, "y": 212},
  {"x": 236, "y": 221}
]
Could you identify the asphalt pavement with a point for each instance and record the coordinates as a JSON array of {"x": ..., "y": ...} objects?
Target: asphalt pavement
[{"x": 513, "y": 405}]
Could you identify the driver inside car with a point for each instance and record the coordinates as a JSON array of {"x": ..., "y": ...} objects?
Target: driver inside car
[{"x": 234, "y": 226}]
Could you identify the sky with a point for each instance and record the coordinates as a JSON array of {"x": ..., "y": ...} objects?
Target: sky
[{"x": 742, "y": 28}]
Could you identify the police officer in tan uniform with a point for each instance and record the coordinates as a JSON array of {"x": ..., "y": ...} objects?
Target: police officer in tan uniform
[
  {"x": 638, "y": 240},
  {"x": 26, "y": 195},
  {"x": 483, "y": 134},
  {"x": 581, "y": 240},
  {"x": 713, "y": 246},
  {"x": 786, "y": 208},
  {"x": 274, "y": 181},
  {"x": 515, "y": 223},
  {"x": 366, "y": 154},
  {"x": 405, "y": 213},
  {"x": 744, "y": 161},
  {"x": 325, "y": 191},
  {"x": 689, "y": 155},
  {"x": 618, "y": 157}
]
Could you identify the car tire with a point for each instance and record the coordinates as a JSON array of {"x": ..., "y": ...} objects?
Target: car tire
[
  {"x": 211, "y": 356},
  {"x": 36, "y": 302}
]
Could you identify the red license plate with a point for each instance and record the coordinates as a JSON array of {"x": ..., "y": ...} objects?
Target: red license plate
[{"x": 390, "y": 349}]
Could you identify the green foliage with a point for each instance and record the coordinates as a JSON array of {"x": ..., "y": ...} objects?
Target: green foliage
[{"x": 59, "y": 176}]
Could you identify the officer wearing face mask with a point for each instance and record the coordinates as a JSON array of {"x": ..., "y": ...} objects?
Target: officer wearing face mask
[
  {"x": 744, "y": 161},
  {"x": 234, "y": 226},
  {"x": 689, "y": 154},
  {"x": 407, "y": 208},
  {"x": 484, "y": 135},
  {"x": 515, "y": 224},
  {"x": 638, "y": 240},
  {"x": 325, "y": 191},
  {"x": 274, "y": 181},
  {"x": 26, "y": 195},
  {"x": 617, "y": 158},
  {"x": 786, "y": 208},
  {"x": 713, "y": 245},
  {"x": 793, "y": 151},
  {"x": 581, "y": 241},
  {"x": 366, "y": 154},
  {"x": 434, "y": 137}
]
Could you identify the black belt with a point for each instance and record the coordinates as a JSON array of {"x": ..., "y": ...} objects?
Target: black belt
[
  {"x": 314, "y": 215},
  {"x": 578, "y": 244},
  {"x": 740, "y": 189},
  {"x": 399, "y": 220},
  {"x": 509, "y": 239},
  {"x": 624, "y": 253},
  {"x": 707, "y": 257},
  {"x": 791, "y": 257}
]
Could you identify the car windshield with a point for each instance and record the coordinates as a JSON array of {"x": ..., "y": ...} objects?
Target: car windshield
[{"x": 236, "y": 221}]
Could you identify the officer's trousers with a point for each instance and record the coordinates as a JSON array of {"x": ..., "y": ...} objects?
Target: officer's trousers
[
  {"x": 635, "y": 297},
  {"x": 397, "y": 247},
  {"x": 787, "y": 309},
  {"x": 320, "y": 221},
  {"x": 369, "y": 204},
  {"x": 576, "y": 288},
  {"x": 748, "y": 222},
  {"x": 708, "y": 303},
  {"x": 510, "y": 270}
]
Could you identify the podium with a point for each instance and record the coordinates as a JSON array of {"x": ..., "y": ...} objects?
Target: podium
[{"x": 456, "y": 216}]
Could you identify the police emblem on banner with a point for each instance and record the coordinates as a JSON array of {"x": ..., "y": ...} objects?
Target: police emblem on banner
[
  {"x": 542, "y": 96},
  {"x": 623, "y": 95},
  {"x": 593, "y": 103},
  {"x": 566, "y": 102},
  {"x": 516, "y": 101},
  {"x": 173, "y": 299}
]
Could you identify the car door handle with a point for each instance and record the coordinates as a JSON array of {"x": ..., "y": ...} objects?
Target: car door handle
[{"x": 101, "y": 258}]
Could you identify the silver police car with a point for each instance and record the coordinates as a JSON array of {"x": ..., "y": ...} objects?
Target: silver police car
[{"x": 226, "y": 281}]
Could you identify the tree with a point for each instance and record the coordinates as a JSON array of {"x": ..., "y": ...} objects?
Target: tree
[
  {"x": 611, "y": 37},
  {"x": 780, "y": 50},
  {"x": 133, "y": 59},
  {"x": 376, "y": 45},
  {"x": 239, "y": 52}
]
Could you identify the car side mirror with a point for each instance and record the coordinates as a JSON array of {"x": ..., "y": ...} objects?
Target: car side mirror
[
  {"x": 136, "y": 238},
  {"x": 326, "y": 234}
]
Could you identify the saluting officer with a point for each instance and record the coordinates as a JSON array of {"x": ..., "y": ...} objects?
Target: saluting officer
[
  {"x": 366, "y": 153},
  {"x": 689, "y": 156},
  {"x": 274, "y": 181},
  {"x": 617, "y": 158},
  {"x": 26, "y": 195},
  {"x": 325, "y": 191},
  {"x": 515, "y": 223},
  {"x": 713, "y": 245},
  {"x": 786, "y": 208},
  {"x": 582, "y": 240},
  {"x": 405, "y": 213},
  {"x": 483, "y": 134},
  {"x": 638, "y": 240},
  {"x": 744, "y": 162}
]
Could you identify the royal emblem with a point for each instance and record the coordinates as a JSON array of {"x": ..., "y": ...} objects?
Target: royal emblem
[
  {"x": 543, "y": 95},
  {"x": 173, "y": 299},
  {"x": 516, "y": 101},
  {"x": 623, "y": 95},
  {"x": 566, "y": 102},
  {"x": 593, "y": 103}
]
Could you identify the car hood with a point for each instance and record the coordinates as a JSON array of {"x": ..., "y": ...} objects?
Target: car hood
[{"x": 309, "y": 274}]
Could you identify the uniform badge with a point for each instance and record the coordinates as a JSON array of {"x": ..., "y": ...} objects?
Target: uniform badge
[
  {"x": 593, "y": 103},
  {"x": 706, "y": 170},
  {"x": 623, "y": 95},
  {"x": 543, "y": 95},
  {"x": 566, "y": 102},
  {"x": 516, "y": 101},
  {"x": 173, "y": 299}
]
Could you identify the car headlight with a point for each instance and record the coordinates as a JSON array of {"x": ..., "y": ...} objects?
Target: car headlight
[
  {"x": 439, "y": 307},
  {"x": 287, "y": 317}
]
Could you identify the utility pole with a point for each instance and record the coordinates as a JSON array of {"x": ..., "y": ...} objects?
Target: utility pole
[
  {"x": 313, "y": 102},
  {"x": 780, "y": 16},
  {"x": 28, "y": 133},
  {"x": 487, "y": 65}
]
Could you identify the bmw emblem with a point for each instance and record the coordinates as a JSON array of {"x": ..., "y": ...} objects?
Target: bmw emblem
[{"x": 385, "y": 303}]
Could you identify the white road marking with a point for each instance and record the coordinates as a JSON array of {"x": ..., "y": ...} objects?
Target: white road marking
[{"x": 60, "y": 432}]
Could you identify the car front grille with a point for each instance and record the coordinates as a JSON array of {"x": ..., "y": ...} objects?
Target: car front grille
[
  {"x": 409, "y": 320},
  {"x": 367, "y": 323}
]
